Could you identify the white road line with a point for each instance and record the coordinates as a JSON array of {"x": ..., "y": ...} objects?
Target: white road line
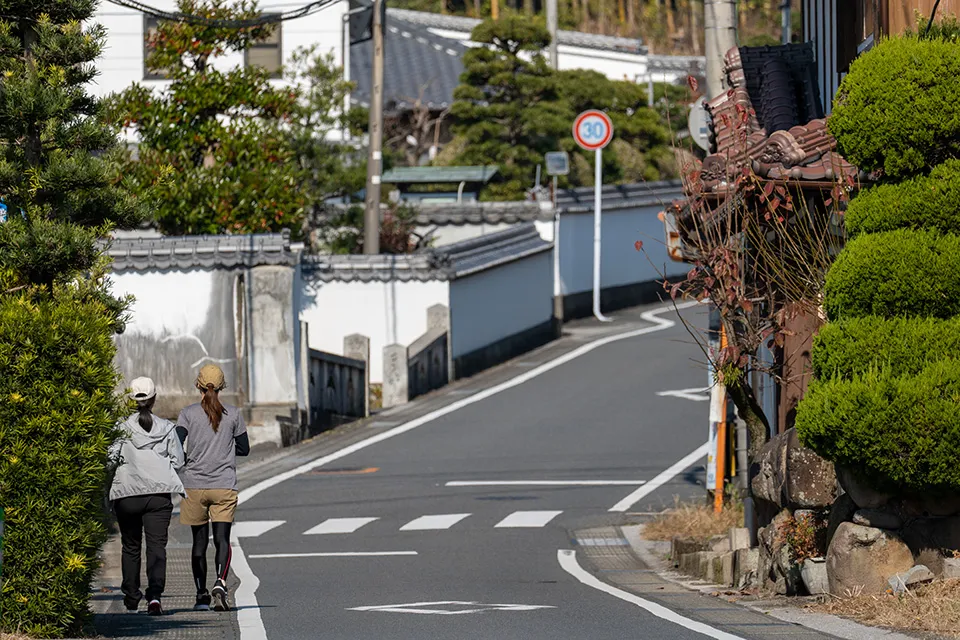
[
  {"x": 432, "y": 523},
  {"x": 333, "y": 554},
  {"x": 544, "y": 483},
  {"x": 662, "y": 478},
  {"x": 519, "y": 519},
  {"x": 249, "y": 602},
  {"x": 253, "y": 528},
  {"x": 248, "y": 609},
  {"x": 568, "y": 561},
  {"x": 338, "y": 525}
]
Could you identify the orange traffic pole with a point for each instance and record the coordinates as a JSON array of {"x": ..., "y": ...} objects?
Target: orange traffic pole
[{"x": 721, "y": 440}]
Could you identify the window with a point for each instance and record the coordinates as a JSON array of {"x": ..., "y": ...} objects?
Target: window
[
  {"x": 150, "y": 27},
  {"x": 267, "y": 54}
]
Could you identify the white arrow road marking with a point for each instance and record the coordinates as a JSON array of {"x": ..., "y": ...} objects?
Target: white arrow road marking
[
  {"x": 696, "y": 394},
  {"x": 543, "y": 483},
  {"x": 474, "y": 607},
  {"x": 338, "y": 525},
  {"x": 433, "y": 523},
  {"x": 568, "y": 561},
  {"x": 253, "y": 528},
  {"x": 527, "y": 519}
]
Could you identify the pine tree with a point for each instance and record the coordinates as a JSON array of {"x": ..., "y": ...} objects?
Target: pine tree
[{"x": 224, "y": 150}]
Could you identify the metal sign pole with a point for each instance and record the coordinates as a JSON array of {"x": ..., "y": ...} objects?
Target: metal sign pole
[{"x": 597, "y": 204}]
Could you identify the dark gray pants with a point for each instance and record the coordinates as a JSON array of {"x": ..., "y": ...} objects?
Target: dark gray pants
[{"x": 144, "y": 517}]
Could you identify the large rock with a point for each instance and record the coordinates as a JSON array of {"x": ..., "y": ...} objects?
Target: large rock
[
  {"x": 877, "y": 519},
  {"x": 776, "y": 569},
  {"x": 860, "y": 490},
  {"x": 792, "y": 476},
  {"x": 864, "y": 558},
  {"x": 842, "y": 511},
  {"x": 910, "y": 579}
]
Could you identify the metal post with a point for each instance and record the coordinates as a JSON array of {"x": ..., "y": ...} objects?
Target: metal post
[
  {"x": 371, "y": 218},
  {"x": 597, "y": 204},
  {"x": 720, "y": 35},
  {"x": 650, "y": 88},
  {"x": 495, "y": 9},
  {"x": 552, "y": 28},
  {"x": 785, "y": 27},
  {"x": 557, "y": 285}
]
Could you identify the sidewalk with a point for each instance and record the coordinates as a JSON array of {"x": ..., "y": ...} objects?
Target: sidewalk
[{"x": 111, "y": 619}]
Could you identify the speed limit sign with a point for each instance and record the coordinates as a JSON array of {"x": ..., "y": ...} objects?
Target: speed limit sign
[{"x": 593, "y": 130}]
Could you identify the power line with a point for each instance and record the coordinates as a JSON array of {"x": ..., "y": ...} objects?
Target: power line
[{"x": 265, "y": 19}]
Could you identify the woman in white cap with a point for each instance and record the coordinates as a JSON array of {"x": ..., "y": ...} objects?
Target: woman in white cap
[
  {"x": 147, "y": 456},
  {"x": 215, "y": 434}
]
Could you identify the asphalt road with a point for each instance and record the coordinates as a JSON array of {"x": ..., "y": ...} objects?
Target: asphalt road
[{"x": 597, "y": 418}]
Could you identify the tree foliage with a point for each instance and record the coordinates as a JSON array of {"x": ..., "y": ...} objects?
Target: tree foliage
[
  {"x": 511, "y": 108},
  {"x": 232, "y": 150},
  {"x": 57, "y": 405}
]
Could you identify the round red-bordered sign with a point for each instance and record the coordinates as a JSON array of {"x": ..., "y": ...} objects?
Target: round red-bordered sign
[{"x": 593, "y": 130}]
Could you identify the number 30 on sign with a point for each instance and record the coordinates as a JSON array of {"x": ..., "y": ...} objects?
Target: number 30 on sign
[{"x": 593, "y": 130}]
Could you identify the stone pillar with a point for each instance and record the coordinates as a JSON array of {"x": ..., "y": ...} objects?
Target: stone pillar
[
  {"x": 438, "y": 317},
  {"x": 357, "y": 346},
  {"x": 395, "y": 372}
]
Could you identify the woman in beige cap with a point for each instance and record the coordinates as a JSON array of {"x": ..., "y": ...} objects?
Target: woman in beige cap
[
  {"x": 214, "y": 435},
  {"x": 145, "y": 457}
]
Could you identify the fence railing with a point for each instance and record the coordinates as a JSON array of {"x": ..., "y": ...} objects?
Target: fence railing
[
  {"x": 409, "y": 372},
  {"x": 338, "y": 386}
]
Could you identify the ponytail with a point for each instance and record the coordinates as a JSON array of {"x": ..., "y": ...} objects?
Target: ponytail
[
  {"x": 145, "y": 407},
  {"x": 211, "y": 406}
]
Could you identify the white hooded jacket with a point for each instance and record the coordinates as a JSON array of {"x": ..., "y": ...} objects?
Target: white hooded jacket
[{"x": 146, "y": 461}]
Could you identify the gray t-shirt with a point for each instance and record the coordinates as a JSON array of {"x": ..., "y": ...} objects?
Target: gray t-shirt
[{"x": 211, "y": 456}]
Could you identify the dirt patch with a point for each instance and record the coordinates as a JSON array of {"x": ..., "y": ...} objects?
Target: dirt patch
[
  {"x": 694, "y": 520},
  {"x": 931, "y": 608}
]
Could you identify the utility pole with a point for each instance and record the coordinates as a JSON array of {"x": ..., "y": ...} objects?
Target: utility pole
[
  {"x": 495, "y": 9},
  {"x": 552, "y": 28},
  {"x": 720, "y": 35},
  {"x": 371, "y": 216}
]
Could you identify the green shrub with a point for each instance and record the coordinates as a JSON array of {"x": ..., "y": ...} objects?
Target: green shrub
[
  {"x": 57, "y": 417},
  {"x": 903, "y": 273},
  {"x": 931, "y": 202},
  {"x": 900, "y": 432},
  {"x": 904, "y": 346},
  {"x": 896, "y": 109}
]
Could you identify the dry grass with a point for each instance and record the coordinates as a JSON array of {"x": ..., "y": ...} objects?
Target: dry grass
[
  {"x": 931, "y": 608},
  {"x": 694, "y": 520},
  {"x": 13, "y": 636}
]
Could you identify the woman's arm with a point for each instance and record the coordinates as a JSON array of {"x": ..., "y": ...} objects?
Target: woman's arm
[
  {"x": 242, "y": 443},
  {"x": 175, "y": 449}
]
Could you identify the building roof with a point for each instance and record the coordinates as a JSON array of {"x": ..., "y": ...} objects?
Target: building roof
[
  {"x": 200, "y": 252},
  {"x": 439, "y": 175},
  {"x": 785, "y": 147},
  {"x": 447, "y": 263},
  {"x": 451, "y": 213},
  {"x": 641, "y": 194},
  {"x": 418, "y": 65}
]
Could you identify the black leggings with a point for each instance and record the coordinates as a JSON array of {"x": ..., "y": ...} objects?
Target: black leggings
[{"x": 221, "y": 540}]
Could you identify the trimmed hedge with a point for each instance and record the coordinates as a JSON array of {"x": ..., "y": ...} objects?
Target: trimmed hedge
[
  {"x": 896, "y": 109},
  {"x": 902, "y": 346},
  {"x": 903, "y": 273},
  {"x": 931, "y": 202},
  {"x": 58, "y": 413},
  {"x": 900, "y": 432}
]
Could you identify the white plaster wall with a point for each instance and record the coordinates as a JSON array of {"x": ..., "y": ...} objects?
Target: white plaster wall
[
  {"x": 121, "y": 63},
  {"x": 386, "y": 312},
  {"x": 620, "y": 262},
  {"x": 500, "y": 302},
  {"x": 449, "y": 234},
  {"x": 167, "y": 303}
]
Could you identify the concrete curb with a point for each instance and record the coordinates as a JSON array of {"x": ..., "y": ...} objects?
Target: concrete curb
[{"x": 649, "y": 552}]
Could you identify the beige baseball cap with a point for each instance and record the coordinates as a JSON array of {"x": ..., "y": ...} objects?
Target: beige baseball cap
[
  {"x": 211, "y": 374},
  {"x": 142, "y": 389}
]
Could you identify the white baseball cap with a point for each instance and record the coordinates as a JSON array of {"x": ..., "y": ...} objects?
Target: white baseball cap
[{"x": 142, "y": 389}]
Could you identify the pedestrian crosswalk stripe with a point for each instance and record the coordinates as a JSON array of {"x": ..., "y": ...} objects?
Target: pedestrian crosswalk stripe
[
  {"x": 254, "y": 528},
  {"x": 442, "y": 521},
  {"x": 527, "y": 519},
  {"x": 338, "y": 525}
]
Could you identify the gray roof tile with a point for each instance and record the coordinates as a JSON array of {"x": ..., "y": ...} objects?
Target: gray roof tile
[
  {"x": 191, "y": 252},
  {"x": 620, "y": 196},
  {"x": 443, "y": 214}
]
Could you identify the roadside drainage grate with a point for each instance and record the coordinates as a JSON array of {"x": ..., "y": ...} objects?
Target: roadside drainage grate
[{"x": 601, "y": 542}]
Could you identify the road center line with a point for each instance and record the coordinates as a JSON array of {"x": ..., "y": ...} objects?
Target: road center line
[
  {"x": 332, "y": 554},
  {"x": 662, "y": 478},
  {"x": 568, "y": 561},
  {"x": 544, "y": 483},
  {"x": 251, "y": 625}
]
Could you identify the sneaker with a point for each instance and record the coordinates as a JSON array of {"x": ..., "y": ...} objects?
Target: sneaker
[
  {"x": 154, "y": 608},
  {"x": 220, "y": 602},
  {"x": 132, "y": 604},
  {"x": 203, "y": 602}
]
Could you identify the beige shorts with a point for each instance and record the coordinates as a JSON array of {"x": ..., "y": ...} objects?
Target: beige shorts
[{"x": 203, "y": 505}]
